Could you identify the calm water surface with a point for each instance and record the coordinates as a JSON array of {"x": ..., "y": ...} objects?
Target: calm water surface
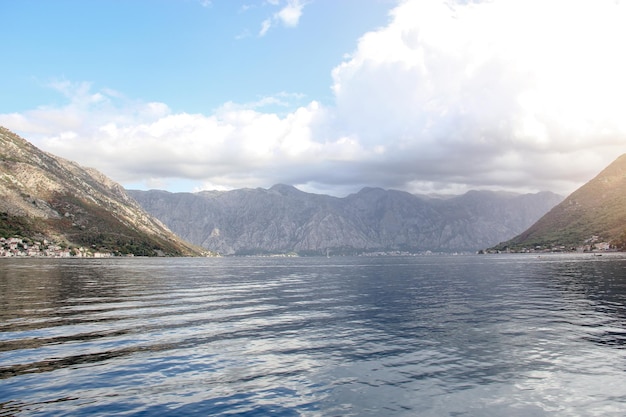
[{"x": 415, "y": 336}]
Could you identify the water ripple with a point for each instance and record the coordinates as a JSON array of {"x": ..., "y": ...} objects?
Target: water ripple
[{"x": 404, "y": 336}]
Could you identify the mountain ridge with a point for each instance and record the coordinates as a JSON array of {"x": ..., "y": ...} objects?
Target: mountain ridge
[
  {"x": 43, "y": 196},
  {"x": 595, "y": 212},
  {"x": 46, "y": 196},
  {"x": 284, "y": 219}
]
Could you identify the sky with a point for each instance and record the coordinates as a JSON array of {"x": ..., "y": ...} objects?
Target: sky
[{"x": 425, "y": 96}]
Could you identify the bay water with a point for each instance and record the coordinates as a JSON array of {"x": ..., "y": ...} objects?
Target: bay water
[{"x": 492, "y": 335}]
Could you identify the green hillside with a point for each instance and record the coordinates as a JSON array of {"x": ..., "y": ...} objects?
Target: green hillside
[
  {"x": 44, "y": 197},
  {"x": 596, "y": 212}
]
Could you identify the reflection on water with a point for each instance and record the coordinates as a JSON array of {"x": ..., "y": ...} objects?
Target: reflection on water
[{"x": 429, "y": 336}]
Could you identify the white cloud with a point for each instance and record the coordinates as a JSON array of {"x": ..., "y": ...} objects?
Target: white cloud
[
  {"x": 133, "y": 142},
  {"x": 504, "y": 94},
  {"x": 280, "y": 100},
  {"x": 467, "y": 84},
  {"x": 265, "y": 26},
  {"x": 289, "y": 15}
]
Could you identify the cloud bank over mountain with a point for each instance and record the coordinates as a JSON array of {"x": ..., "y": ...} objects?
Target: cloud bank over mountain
[{"x": 513, "y": 94}]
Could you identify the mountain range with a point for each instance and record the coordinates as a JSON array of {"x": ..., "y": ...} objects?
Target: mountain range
[
  {"x": 283, "y": 219},
  {"x": 595, "y": 213},
  {"x": 44, "y": 197}
]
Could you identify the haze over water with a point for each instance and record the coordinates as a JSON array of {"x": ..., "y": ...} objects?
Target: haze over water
[{"x": 412, "y": 336}]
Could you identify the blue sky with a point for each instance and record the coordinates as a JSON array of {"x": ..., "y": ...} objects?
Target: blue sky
[
  {"x": 328, "y": 95},
  {"x": 190, "y": 54}
]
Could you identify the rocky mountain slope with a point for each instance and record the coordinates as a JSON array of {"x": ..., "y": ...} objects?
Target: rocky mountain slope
[
  {"x": 46, "y": 197},
  {"x": 596, "y": 212},
  {"x": 284, "y": 219}
]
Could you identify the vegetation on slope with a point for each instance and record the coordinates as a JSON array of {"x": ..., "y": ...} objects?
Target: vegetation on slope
[
  {"x": 12, "y": 226},
  {"x": 46, "y": 197},
  {"x": 596, "y": 211}
]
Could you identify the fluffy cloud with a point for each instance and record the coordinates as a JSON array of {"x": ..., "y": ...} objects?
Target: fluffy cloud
[
  {"x": 237, "y": 146},
  {"x": 289, "y": 15},
  {"x": 501, "y": 93},
  {"x": 506, "y": 94}
]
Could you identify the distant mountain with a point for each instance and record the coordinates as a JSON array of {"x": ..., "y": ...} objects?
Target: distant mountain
[
  {"x": 596, "y": 212},
  {"x": 284, "y": 219},
  {"x": 46, "y": 197}
]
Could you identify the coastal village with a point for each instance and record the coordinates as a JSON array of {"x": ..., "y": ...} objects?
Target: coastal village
[
  {"x": 593, "y": 244},
  {"x": 18, "y": 247}
]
